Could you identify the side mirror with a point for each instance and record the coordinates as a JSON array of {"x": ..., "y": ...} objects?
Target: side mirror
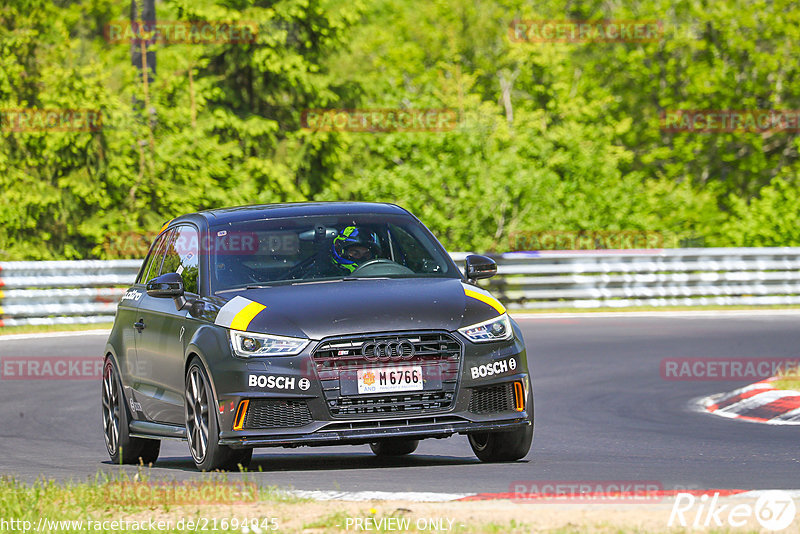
[
  {"x": 168, "y": 285},
  {"x": 479, "y": 267}
]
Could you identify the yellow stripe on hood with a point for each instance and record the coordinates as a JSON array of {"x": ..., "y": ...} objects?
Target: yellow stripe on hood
[{"x": 484, "y": 297}]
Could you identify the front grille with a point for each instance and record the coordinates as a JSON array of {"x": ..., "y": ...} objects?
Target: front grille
[
  {"x": 392, "y": 404},
  {"x": 492, "y": 399},
  {"x": 345, "y": 353},
  {"x": 339, "y": 359},
  {"x": 273, "y": 413}
]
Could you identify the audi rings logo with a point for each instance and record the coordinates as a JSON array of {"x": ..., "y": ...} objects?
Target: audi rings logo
[{"x": 388, "y": 350}]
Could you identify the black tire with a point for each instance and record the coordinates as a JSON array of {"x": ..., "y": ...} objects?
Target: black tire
[
  {"x": 240, "y": 457},
  {"x": 202, "y": 426},
  {"x": 121, "y": 447},
  {"x": 504, "y": 446},
  {"x": 394, "y": 447}
]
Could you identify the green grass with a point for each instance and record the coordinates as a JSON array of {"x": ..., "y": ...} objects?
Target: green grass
[
  {"x": 790, "y": 382},
  {"x": 99, "y": 501},
  {"x": 109, "y": 498}
]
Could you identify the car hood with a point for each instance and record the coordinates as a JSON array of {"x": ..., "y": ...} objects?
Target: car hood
[{"x": 344, "y": 307}]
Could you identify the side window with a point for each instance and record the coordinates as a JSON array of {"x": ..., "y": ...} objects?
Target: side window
[
  {"x": 182, "y": 257},
  {"x": 154, "y": 259},
  {"x": 411, "y": 253}
]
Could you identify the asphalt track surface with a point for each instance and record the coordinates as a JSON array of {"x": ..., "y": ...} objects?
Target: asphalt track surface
[{"x": 603, "y": 413}]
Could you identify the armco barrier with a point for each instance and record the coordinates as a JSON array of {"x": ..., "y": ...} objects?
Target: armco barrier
[
  {"x": 60, "y": 292},
  {"x": 660, "y": 277}
]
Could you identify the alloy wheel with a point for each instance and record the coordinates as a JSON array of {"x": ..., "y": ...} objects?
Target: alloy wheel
[
  {"x": 197, "y": 414},
  {"x": 110, "y": 409}
]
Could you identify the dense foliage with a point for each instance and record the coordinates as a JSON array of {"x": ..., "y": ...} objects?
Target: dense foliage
[{"x": 551, "y": 136}]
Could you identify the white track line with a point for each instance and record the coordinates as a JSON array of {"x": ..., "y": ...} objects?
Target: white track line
[
  {"x": 756, "y": 401},
  {"x": 379, "y": 496},
  {"x": 37, "y": 335},
  {"x": 792, "y": 416},
  {"x": 676, "y": 314}
]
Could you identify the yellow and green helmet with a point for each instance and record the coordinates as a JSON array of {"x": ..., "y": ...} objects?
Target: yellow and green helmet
[{"x": 353, "y": 236}]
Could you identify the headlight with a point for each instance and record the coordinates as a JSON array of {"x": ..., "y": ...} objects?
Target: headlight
[
  {"x": 249, "y": 345},
  {"x": 497, "y": 329}
]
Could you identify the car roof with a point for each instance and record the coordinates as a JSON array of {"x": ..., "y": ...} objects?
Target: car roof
[{"x": 216, "y": 217}]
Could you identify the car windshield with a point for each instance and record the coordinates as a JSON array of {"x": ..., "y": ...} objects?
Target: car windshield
[{"x": 307, "y": 249}]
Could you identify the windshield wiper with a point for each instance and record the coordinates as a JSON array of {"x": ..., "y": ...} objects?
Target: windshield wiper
[
  {"x": 324, "y": 281},
  {"x": 303, "y": 282}
]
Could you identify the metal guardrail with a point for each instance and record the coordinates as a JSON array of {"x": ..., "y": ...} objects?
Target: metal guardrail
[
  {"x": 660, "y": 277},
  {"x": 63, "y": 292}
]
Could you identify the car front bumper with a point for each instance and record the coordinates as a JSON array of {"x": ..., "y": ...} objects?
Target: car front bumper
[
  {"x": 305, "y": 402},
  {"x": 333, "y": 434}
]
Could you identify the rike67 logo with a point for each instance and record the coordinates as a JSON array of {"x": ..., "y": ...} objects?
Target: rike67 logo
[{"x": 774, "y": 510}]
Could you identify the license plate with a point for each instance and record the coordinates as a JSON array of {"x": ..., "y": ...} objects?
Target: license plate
[{"x": 390, "y": 379}]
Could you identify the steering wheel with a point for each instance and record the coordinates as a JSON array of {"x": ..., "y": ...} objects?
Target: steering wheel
[
  {"x": 396, "y": 267},
  {"x": 238, "y": 274},
  {"x": 300, "y": 270},
  {"x": 376, "y": 261}
]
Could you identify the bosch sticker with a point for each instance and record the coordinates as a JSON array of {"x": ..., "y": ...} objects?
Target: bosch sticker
[
  {"x": 491, "y": 369},
  {"x": 274, "y": 382}
]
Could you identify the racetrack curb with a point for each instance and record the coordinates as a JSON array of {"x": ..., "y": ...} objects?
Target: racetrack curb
[
  {"x": 759, "y": 402},
  {"x": 549, "y": 498}
]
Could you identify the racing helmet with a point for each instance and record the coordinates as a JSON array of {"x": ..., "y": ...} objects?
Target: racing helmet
[{"x": 351, "y": 237}]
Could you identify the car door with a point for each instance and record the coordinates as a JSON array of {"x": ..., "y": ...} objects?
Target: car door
[
  {"x": 129, "y": 307},
  {"x": 161, "y": 342},
  {"x": 125, "y": 322}
]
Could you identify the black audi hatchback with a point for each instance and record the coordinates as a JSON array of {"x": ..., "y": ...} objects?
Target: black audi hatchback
[{"x": 311, "y": 324}]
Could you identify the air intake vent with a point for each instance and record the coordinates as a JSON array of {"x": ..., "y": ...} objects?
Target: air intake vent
[
  {"x": 269, "y": 413},
  {"x": 492, "y": 399}
]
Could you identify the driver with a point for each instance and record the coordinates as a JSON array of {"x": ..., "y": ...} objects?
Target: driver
[{"x": 353, "y": 247}]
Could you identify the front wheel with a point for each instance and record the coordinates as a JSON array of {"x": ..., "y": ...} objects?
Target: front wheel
[
  {"x": 121, "y": 447},
  {"x": 394, "y": 447},
  {"x": 502, "y": 446},
  {"x": 202, "y": 426}
]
